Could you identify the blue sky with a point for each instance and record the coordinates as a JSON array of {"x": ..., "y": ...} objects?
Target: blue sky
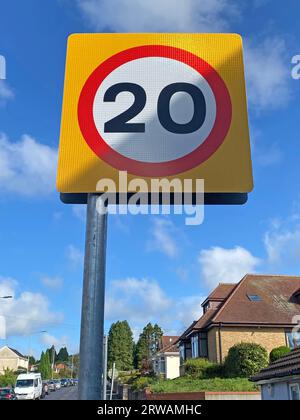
[{"x": 158, "y": 269}]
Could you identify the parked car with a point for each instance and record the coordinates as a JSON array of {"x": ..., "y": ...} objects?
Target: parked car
[
  {"x": 29, "y": 386},
  {"x": 57, "y": 384},
  {"x": 64, "y": 382},
  {"x": 7, "y": 394},
  {"x": 51, "y": 386}
]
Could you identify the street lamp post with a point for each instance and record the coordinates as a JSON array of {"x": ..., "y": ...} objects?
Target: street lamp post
[
  {"x": 3, "y": 325},
  {"x": 29, "y": 345}
]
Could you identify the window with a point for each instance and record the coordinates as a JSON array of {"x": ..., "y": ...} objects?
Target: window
[
  {"x": 162, "y": 365},
  {"x": 181, "y": 353},
  {"x": 195, "y": 347},
  {"x": 188, "y": 350},
  {"x": 24, "y": 383},
  {"x": 294, "y": 392},
  {"x": 203, "y": 344},
  {"x": 293, "y": 339},
  {"x": 254, "y": 298}
]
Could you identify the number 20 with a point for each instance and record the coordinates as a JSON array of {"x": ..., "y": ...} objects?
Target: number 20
[{"x": 120, "y": 124}]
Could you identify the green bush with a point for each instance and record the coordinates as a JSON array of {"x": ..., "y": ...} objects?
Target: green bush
[
  {"x": 8, "y": 379},
  {"x": 197, "y": 367},
  {"x": 143, "y": 382},
  {"x": 245, "y": 360},
  {"x": 279, "y": 352},
  {"x": 215, "y": 371},
  {"x": 189, "y": 384}
]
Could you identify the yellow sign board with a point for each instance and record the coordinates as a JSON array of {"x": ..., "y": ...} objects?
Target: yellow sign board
[{"x": 156, "y": 106}]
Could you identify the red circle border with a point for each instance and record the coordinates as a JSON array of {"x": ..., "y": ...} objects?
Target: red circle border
[{"x": 168, "y": 168}]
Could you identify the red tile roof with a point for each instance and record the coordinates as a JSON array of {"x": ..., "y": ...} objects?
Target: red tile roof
[
  {"x": 278, "y": 303},
  {"x": 221, "y": 292},
  {"x": 168, "y": 344}
]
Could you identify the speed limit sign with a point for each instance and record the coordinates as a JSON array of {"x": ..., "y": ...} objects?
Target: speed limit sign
[{"x": 155, "y": 105}]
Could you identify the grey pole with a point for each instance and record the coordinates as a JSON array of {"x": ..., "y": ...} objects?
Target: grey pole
[
  {"x": 92, "y": 314},
  {"x": 112, "y": 381},
  {"x": 105, "y": 368},
  {"x": 53, "y": 361}
]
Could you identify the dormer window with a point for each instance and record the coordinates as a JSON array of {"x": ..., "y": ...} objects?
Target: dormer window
[{"x": 297, "y": 295}]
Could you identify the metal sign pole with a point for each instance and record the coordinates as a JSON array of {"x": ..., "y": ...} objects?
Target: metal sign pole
[{"x": 92, "y": 314}]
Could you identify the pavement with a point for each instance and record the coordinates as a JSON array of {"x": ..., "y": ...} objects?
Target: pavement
[{"x": 64, "y": 393}]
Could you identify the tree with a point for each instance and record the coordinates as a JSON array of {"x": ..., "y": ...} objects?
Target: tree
[
  {"x": 245, "y": 360},
  {"x": 52, "y": 355},
  {"x": 120, "y": 346},
  {"x": 8, "y": 378},
  {"x": 32, "y": 360},
  {"x": 63, "y": 355},
  {"x": 45, "y": 365},
  {"x": 147, "y": 345},
  {"x": 279, "y": 352}
]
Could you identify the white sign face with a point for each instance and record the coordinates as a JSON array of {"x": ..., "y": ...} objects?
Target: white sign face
[{"x": 150, "y": 78}]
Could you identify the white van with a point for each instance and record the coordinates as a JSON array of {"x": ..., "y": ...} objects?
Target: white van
[{"x": 29, "y": 386}]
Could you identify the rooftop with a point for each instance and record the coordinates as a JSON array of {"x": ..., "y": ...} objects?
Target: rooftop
[
  {"x": 260, "y": 300},
  {"x": 287, "y": 365}
]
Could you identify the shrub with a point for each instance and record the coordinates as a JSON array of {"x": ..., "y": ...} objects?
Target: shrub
[
  {"x": 215, "y": 371},
  {"x": 197, "y": 367},
  {"x": 8, "y": 378},
  {"x": 245, "y": 360},
  {"x": 141, "y": 383},
  {"x": 279, "y": 352}
]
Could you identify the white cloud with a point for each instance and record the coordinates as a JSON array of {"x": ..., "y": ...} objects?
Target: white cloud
[
  {"x": 6, "y": 92},
  {"x": 220, "y": 265},
  {"x": 50, "y": 340},
  {"x": 27, "y": 167},
  {"x": 74, "y": 255},
  {"x": 267, "y": 74},
  {"x": 163, "y": 233},
  {"x": 27, "y": 312},
  {"x": 159, "y": 15},
  {"x": 282, "y": 244},
  {"x": 52, "y": 282},
  {"x": 142, "y": 300}
]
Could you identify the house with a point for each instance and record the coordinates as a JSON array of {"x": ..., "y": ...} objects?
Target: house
[
  {"x": 281, "y": 379},
  {"x": 166, "y": 360},
  {"x": 12, "y": 359},
  {"x": 260, "y": 309},
  {"x": 59, "y": 367}
]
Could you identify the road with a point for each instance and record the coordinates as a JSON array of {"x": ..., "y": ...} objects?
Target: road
[{"x": 68, "y": 393}]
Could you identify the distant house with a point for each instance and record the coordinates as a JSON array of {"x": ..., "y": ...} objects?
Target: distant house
[
  {"x": 281, "y": 379},
  {"x": 261, "y": 309},
  {"x": 60, "y": 366},
  {"x": 12, "y": 359},
  {"x": 166, "y": 360}
]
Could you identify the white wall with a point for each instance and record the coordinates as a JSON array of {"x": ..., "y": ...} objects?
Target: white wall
[{"x": 172, "y": 366}]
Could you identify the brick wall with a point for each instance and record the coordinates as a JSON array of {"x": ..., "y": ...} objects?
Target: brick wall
[
  {"x": 213, "y": 345},
  {"x": 269, "y": 338}
]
